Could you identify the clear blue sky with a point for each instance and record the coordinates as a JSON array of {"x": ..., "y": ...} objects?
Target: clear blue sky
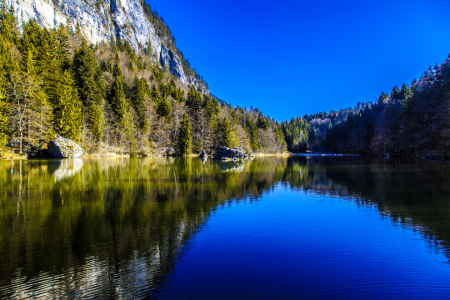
[{"x": 288, "y": 58}]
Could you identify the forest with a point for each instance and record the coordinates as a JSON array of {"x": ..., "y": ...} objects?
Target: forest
[
  {"x": 412, "y": 120},
  {"x": 110, "y": 98}
]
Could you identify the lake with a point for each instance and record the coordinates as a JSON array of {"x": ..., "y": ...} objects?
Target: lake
[{"x": 186, "y": 228}]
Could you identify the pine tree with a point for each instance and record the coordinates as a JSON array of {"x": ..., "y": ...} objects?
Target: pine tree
[
  {"x": 262, "y": 122},
  {"x": 216, "y": 106},
  {"x": 27, "y": 62},
  {"x": 194, "y": 99},
  {"x": 96, "y": 121},
  {"x": 7, "y": 65},
  {"x": 163, "y": 109},
  {"x": 184, "y": 137},
  {"x": 62, "y": 48},
  {"x": 226, "y": 135},
  {"x": 117, "y": 95},
  {"x": 139, "y": 94},
  {"x": 155, "y": 95},
  {"x": 253, "y": 132},
  {"x": 91, "y": 87},
  {"x": 68, "y": 114}
]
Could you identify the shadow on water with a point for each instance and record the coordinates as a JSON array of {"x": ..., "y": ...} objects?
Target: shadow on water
[{"x": 111, "y": 228}]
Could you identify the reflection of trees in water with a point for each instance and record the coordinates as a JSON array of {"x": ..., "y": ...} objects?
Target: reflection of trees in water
[
  {"x": 415, "y": 194},
  {"x": 116, "y": 227}
]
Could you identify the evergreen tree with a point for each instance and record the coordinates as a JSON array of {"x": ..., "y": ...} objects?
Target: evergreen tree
[
  {"x": 163, "y": 109},
  {"x": 27, "y": 62},
  {"x": 184, "y": 137},
  {"x": 262, "y": 122},
  {"x": 140, "y": 92},
  {"x": 253, "y": 133},
  {"x": 67, "y": 112},
  {"x": 7, "y": 65},
  {"x": 117, "y": 95},
  {"x": 91, "y": 87},
  {"x": 226, "y": 135},
  {"x": 155, "y": 95},
  {"x": 194, "y": 99},
  {"x": 216, "y": 106},
  {"x": 62, "y": 48}
]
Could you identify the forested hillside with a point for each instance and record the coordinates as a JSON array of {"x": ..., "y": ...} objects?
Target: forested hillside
[
  {"x": 109, "y": 98},
  {"x": 413, "y": 120}
]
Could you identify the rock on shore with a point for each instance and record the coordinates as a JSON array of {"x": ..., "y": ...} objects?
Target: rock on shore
[
  {"x": 232, "y": 153},
  {"x": 64, "y": 148}
]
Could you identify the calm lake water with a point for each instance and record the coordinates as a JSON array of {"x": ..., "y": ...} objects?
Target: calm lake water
[{"x": 172, "y": 228}]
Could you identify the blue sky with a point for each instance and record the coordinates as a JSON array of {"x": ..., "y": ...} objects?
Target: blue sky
[{"x": 290, "y": 58}]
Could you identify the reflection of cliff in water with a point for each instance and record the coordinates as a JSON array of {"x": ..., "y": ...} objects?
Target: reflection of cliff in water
[{"x": 117, "y": 227}]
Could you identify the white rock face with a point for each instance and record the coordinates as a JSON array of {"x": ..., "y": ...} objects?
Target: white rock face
[{"x": 99, "y": 20}]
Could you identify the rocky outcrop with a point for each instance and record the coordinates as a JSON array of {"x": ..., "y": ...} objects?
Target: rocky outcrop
[
  {"x": 169, "y": 59},
  {"x": 64, "y": 148},
  {"x": 232, "y": 153},
  {"x": 170, "y": 151},
  {"x": 99, "y": 20}
]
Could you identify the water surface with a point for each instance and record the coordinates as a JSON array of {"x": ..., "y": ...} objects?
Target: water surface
[{"x": 172, "y": 228}]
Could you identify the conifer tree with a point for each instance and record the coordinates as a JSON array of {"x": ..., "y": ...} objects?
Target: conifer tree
[
  {"x": 7, "y": 65},
  {"x": 163, "y": 109},
  {"x": 117, "y": 95},
  {"x": 226, "y": 135},
  {"x": 216, "y": 106},
  {"x": 253, "y": 133},
  {"x": 91, "y": 87},
  {"x": 184, "y": 137},
  {"x": 155, "y": 95},
  {"x": 96, "y": 121},
  {"x": 3, "y": 112},
  {"x": 27, "y": 62},
  {"x": 138, "y": 100},
  {"x": 62, "y": 48},
  {"x": 67, "y": 112}
]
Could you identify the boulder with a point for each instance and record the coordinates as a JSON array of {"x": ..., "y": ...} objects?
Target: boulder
[
  {"x": 203, "y": 154},
  {"x": 225, "y": 153},
  {"x": 232, "y": 153},
  {"x": 170, "y": 151},
  {"x": 64, "y": 148}
]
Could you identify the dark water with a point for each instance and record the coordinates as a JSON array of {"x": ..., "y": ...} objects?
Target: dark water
[{"x": 286, "y": 228}]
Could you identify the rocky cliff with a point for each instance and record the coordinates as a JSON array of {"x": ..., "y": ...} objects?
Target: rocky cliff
[{"x": 99, "y": 21}]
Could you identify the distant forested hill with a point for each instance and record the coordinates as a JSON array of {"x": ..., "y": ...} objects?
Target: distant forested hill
[{"x": 413, "y": 119}]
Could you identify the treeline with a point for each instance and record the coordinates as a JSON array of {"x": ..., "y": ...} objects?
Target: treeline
[
  {"x": 411, "y": 120},
  {"x": 109, "y": 98}
]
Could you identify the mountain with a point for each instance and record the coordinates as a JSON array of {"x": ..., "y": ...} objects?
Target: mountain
[{"x": 101, "y": 21}]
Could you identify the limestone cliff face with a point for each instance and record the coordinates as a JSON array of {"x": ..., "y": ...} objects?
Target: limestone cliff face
[{"x": 99, "y": 20}]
